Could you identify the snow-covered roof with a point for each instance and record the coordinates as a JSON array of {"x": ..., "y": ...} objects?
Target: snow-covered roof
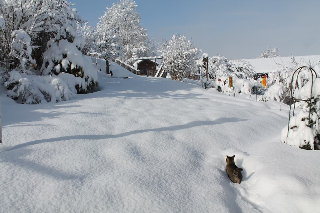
[{"x": 150, "y": 58}]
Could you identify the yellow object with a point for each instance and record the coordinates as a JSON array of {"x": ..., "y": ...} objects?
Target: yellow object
[{"x": 230, "y": 82}]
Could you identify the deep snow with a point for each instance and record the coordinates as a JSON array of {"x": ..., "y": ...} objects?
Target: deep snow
[{"x": 152, "y": 145}]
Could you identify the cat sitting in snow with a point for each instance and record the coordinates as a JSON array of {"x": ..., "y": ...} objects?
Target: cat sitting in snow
[{"x": 234, "y": 173}]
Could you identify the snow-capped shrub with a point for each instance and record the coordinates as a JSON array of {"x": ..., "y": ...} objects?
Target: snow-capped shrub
[
  {"x": 283, "y": 77},
  {"x": 300, "y": 134},
  {"x": 304, "y": 127},
  {"x": 63, "y": 56},
  {"x": 49, "y": 43},
  {"x": 242, "y": 86},
  {"x": 275, "y": 92},
  {"x": 239, "y": 85},
  {"x": 220, "y": 69},
  {"x": 21, "y": 48},
  {"x": 31, "y": 89},
  {"x": 220, "y": 66},
  {"x": 243, "y": 69}
]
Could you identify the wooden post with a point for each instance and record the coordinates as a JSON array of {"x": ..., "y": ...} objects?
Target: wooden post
[
  {"x": 205, "y": 65},
  {"x": 107, "y": 66},
  {"x": 207, "y": 68}
]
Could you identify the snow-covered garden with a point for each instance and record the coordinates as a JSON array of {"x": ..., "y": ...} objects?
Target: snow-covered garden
[
  {"x": 152, "y": 145},
  {"x": 80, "y": 133}
]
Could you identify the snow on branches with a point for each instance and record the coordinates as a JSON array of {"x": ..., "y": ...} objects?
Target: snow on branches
[
  {"x": 270, "y": 53},
  {"x": 64, "y": 57},
  {"x": 43, "y": 34},
  {"x": 21, "y": 48},
  {"x": 119, "y": 33},
  {"x": 179, "y": 57}
]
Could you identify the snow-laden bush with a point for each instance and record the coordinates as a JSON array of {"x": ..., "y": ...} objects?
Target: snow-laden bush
[
  {"x": 300, "y": 134},
  {"x": 31, "y": 89},
  {"x": 282, "y": 80},
  {"x": 270, "y": 53},
  {"x": 63, "y": 56},
  {"x": 304, "y": 129},
  {"x": 49, "y": 43},
  {"x": 275, "y": 92},
  {"x": 220, "y": 66},
  {"x": 21, "y": 48},
  {"x": 220, "y": 69},
  {"x": 242, "y": 86},
  {"x": 239, "y": 85}
]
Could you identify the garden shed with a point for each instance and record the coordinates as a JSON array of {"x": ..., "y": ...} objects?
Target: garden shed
[{"x": 146, "y": 67}]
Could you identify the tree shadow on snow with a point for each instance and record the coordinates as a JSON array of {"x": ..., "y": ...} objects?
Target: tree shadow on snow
[
  {"x": 22, "y": 114},
  {"x": 22, "y": 150},
  {"x": 125, "y": 134},
  {"x": 19, "y": 158}
]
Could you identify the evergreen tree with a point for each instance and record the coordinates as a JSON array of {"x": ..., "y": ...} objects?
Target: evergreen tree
[{"x": 46, "y": 31}]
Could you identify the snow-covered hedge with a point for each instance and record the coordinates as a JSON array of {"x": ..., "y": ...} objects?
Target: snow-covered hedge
[
  {"x": 219, "y": 71},
  {"x": 65, "y": 73},
  {"x": 279, "y": 82},
  {"x": 31, "y": 89},
  {"x": 239, "y": 85}
]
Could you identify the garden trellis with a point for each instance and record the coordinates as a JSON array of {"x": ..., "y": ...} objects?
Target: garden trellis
[{"x": 311, "y": 101}]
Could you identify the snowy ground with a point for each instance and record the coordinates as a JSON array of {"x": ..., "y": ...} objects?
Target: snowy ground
[
  {"x": 264, "y": 65},
  {"x": 152, "y": 145}
]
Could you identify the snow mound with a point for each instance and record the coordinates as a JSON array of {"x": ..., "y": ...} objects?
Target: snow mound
[
  {"x": 32, "y": 89},
  {"x": 266, "y": 65},
  {"x": 276, "y": 180}
]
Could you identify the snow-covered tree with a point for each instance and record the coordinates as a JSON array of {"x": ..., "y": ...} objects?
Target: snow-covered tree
[
  {"x": 179, "y": 57},
  {"x": 220, "y": 66},
  {"x": 42, "y": 20},
  {"x": 119, "y": 32},
  {"x": 89, "y": 35},
  {"x": 21, "y": 49},
  {"x": 270, "y": 53},
  {"x": 63, "y": 53},
  {"x": 46, "y": 31}
]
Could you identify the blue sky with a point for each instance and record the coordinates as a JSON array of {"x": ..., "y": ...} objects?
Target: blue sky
[{"x": 232, "y": 28}]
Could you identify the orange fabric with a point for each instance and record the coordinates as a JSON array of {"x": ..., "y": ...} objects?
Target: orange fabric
[{"x": 264, "y": 82}]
